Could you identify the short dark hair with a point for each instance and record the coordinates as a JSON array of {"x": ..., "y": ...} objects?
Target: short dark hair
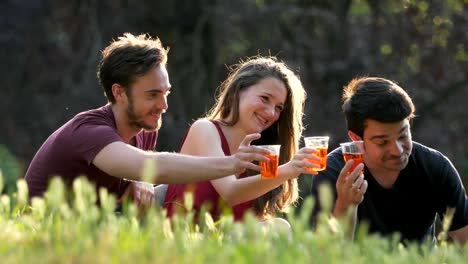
[
  {"x": 127, "y": 58},
  {"x": 375, "y": 98}
]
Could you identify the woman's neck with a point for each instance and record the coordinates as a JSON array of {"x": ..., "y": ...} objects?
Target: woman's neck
[{"x": 234, "y": 136}]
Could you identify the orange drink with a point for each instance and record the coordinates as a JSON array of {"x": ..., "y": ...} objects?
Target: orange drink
[
  {"x": 353, "y": 150},
  {"x": 321, "y": 145},
  {"x": 358, "y": 159},
  {"x": 322, "y": 153},
  {"x": 270, "y": 168}
]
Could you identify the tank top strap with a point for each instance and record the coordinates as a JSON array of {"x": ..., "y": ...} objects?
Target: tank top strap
[{"x": 224, "y": 143}]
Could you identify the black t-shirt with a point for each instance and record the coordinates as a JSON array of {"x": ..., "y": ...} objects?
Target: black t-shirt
[{"x": 425, "y": 187}]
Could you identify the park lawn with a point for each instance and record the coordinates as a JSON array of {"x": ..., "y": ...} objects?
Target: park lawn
[{"x": 52, "y": 230}]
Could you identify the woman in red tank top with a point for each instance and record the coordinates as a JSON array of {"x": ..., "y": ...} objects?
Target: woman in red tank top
[{"x": 260, "y": 95}]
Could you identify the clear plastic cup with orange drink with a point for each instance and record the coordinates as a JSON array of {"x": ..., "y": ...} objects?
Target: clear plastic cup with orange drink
[
  {"x": 353, "y": 150},
  {"x": 270, "y": 168},
  {"x": 321, "y": 145}
]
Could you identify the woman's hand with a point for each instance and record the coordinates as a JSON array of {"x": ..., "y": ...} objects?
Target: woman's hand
[
  {"x": 303, "y": 162},
  {"x": 246, "y": 153}
]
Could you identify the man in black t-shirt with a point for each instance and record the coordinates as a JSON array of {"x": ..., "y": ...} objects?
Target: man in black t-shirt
[{"x": 404, "y": 184}]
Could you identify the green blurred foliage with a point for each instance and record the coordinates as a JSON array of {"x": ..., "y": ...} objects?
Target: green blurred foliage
[
  {"x": 54, "y": 229},
  {"x": 9, "y": 169}
]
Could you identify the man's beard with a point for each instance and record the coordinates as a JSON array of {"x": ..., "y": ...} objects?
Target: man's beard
[{"x": 136, "y": 121}]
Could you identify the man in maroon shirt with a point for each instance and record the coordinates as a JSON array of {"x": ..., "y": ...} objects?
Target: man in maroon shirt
[{"x": 110, "y": 144}]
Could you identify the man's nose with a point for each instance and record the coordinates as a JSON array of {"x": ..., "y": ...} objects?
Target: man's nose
[
  {"x": 162, "y": 103},
  {"x": 396, "y": 148}
]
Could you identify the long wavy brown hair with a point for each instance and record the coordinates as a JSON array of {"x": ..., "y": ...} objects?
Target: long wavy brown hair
[{"x": 286, "y": 131}]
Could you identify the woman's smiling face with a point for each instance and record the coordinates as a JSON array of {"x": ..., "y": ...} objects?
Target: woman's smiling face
[{"x": 261, "y": 104}]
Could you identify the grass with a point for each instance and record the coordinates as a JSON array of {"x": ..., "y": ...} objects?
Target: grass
[{"x": 54, "y": 230}]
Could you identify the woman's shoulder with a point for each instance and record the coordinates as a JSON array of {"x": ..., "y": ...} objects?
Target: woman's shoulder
[
  {"x": 203, "y": 124},
  {"x": 201, "y": 138},
  {"x": 203, "y": 128}
]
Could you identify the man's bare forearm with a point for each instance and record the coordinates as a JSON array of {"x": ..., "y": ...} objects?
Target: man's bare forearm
[{"x": 177, "y": 168}]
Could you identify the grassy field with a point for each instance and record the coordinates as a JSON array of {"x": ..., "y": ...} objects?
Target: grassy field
[{"x": 52, "y": 230}]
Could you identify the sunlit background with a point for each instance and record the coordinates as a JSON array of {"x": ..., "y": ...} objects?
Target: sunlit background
[{"x": 50, "y": 50}]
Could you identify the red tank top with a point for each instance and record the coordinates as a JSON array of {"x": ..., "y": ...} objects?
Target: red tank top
[{"x": 204, "y": 193}]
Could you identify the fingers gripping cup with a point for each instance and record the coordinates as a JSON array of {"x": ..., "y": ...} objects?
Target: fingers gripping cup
[
  {"x": 321, "y": 144},
  {"x": 353, "y": 150},
  {"x": 270, "y": 168}
]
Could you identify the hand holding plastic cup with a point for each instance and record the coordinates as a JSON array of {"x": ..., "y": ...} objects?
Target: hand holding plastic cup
[
  {"x": 353, "y": 150},
  {"x": 270, "y": 168},
  {"x": 321, "y": 145}
]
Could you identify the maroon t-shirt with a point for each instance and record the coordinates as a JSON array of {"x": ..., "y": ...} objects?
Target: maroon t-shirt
[
  {"x": 70, "y": 150},
  {"x": 204, "y": 193}
]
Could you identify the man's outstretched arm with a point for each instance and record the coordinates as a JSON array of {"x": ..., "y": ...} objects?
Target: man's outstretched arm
[{"x": 125, "y": 161}]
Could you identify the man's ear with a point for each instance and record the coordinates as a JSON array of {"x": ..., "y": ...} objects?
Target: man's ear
[
  {"x": 119, "y": 92},
  {"x": 353, "y": 136}
]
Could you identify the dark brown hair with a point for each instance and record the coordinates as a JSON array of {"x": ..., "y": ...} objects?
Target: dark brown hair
[
  {"x": 126, "y": 59},
  {"x": 375, "y": 98}
]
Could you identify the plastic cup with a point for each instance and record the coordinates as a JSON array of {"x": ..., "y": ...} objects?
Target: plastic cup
[
  {"x": 270, "y": 168},
  {"x": 353, "y": 150},
  {"x": 321, "y": 145}
]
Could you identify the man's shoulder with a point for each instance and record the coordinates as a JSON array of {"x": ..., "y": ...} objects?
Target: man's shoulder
[
  {"x": 92, "y": 126},
  {"x": 428, "y": 161},
  {"x": 425, "y": 154},
  {"x": 102, "y": 114},
  {"x": 336, "y": 156},
  {"x": 92, "y": 121}
]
